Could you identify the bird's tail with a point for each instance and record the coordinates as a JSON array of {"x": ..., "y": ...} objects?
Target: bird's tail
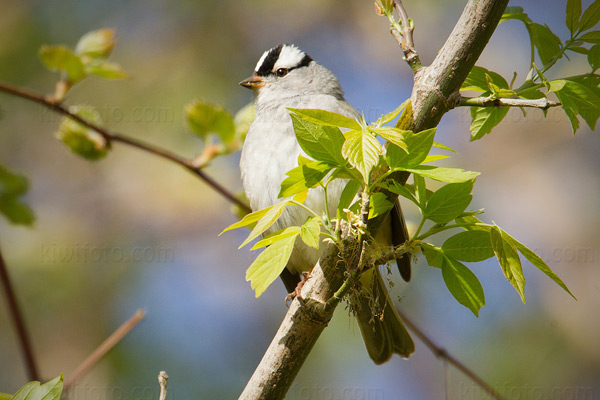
[{"x": 382, "y": 330}]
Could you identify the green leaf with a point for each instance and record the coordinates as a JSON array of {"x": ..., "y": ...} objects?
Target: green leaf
[
  {"x": 391, "y": 115},
  {"x": 515, "y": 13},
  {"x": 434, "y": 157},
  {"x": 323, "y": 143},
  {"x": 590, "y": 37},
  {"x": 449, "y": 202},
  {"x": 590, "y": 16},
  {"x": 79, "y": 138},
  {"x": 275, "y": 236},
  {"x": 12, "y": 187},
  {"x": 326, "y": 118},
  {"x": 418, "y": 146},
  {"x": 509, "y": 260},
  {"x": 547, "y": 43},
  {"x": 434, "y": 255},
  {"x": 269, "y": 264},
  {"x": 443, "y": 174},
  {"x": 362, "y": 151},
  {"x": 477, "y": 80},
  {"x": 265, "y": 222},
  {"x": 243, "y": 119},
  {"x": 485, "y": 119},
  {"x": 594, "y": 57},
  {"x": 310, "y": 231},
  {"x": 537, "y": 262},
  {"x": 60, "y": 58},
  {"x": 420, "y": 191},
  {"x": 578, "y": 99},
  {"x": 248, "y": 220},
  {"x": 5, "y": 396},
  {"x": 463, "y": 285},
  {"x": 106, "y": 70},
  {"x": 402, "y": 190},
  {"x": 379, "y": 204},
  {"x": 204, "y": 118},
  {"x": 443, "y": 147},
  {"x": 573, "y": 14},
  {"x": 469, "y": 246},
  {"x": 467, "y": 221},
  {"x": 96, "y": 44},
  {"x": 304, "y": 177},
  {"x": 392, "y": 135},
  {"x": 50, "y": 390},
  {"x": 347, "y": 196}
]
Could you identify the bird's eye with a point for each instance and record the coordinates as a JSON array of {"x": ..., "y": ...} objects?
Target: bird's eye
[{"x": 282, "y": 72}]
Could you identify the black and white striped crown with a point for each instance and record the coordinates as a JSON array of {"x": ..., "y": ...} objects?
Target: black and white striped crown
[{"x": 285, "y": 56}]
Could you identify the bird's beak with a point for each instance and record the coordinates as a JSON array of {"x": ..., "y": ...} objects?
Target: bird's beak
[{"x": 254, "y": 82}]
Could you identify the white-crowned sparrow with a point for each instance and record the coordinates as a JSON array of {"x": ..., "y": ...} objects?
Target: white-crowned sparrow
[{"x": 287, "y": 77}]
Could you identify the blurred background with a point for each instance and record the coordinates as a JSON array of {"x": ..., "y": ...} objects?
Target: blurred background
[{"x": 135, "y": 231}]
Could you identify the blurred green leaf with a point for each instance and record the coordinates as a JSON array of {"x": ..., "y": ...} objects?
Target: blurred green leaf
[
  {"x": 325, "y": 118},
  {"x": 485, "y": 119},
  {"x": 60, "y": 58},
  {"x": 79, "y": 138},
  {"x": 269, "y": 264},
  {"x": 448, "y": 202},
  {"x": 573, "y": 14},
  {"x": 266, "y": 221},
  {"x": 204, "y": 118},
  {"x": 577, "y": 98},
  {"x": 463, "y": 284},
  {"x": 418, "y": 146},
  {"x": 469, "y": 246},
  {"x": 243, "y": 119},
  {"x": 547, "y": 43},
  {"x": 12, "y": 187},
  {"x": 323, "y": 143},
  {"x": 275, "y": 236},
  {"x": 515, "y": 13},
  {"x": 509, "y": 260},
  {"x": 50, "y": 390},
  {"x": 379, "y": 204},
  {"x": 594, "y": 57},
  {"x": 106, "y": 70},
  {"x": 310, "y": 232},
  {"x": 248, "y": 220},
  {"x": 96, "y": 44},
  {"x": 590, "y": 16},
  {"x": 590, "y": 37},
  {"x": 303, "y": 177},
  {"x": 362, "y": 151},
  {"x": 5, "y": 396},
  {"x": 443, "y": 174}
]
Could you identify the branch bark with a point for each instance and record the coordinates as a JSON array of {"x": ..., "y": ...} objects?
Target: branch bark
[
  {"x": 435, "y": 92},
  {"x": 542, "y": 103}
]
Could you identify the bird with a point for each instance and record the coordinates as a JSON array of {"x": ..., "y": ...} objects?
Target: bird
[{"x": 286, "y": 77}]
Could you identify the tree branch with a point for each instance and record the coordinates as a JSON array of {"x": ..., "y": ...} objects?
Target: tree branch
[
  {"x": 111, "y": 137},
  {"x": 18, "y": 321},
  {"x": 441, "y": 353},
  {"x": 489, "y": 101},
  {"x": 403, "y": 33}
]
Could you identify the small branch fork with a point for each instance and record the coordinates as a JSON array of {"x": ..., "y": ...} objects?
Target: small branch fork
[
  {"x": 542, "y": 103},
  {"x": 111, "y": 137},
  {"x": 403, "y": 33}
]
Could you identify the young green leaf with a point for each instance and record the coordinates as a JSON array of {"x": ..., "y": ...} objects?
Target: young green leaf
[
  {"x": 384, "y": 119},
  {"x": 310, "y": 232},
  {"x": 362, "y": 151},
  {"x": 401, "y": 190},
  {"x": 469, "y": 246},
  {"x": 463, "y": 285},
  {"x": 477, "y": 80},
  {"x": 303, "y": 177},
  {"x": 547, "y": 43},
  {"x": 509, "y": 260},
  {"x": 578, "y": 99},
  {"x": 60, "y": 58},
  {"x": 418, "y": 145},
  {"x": 81, "y": 139},
  {"x": 449, "y": 202},
  {"x": 347, "y": 196},
  {"x": 248, "y": 220},
  {"x": 420, "y": 191},
  {"x": 323, "y": 143},
  {"x": 392, "y": 135},
  {"x": 50, "y": 390},
  {"x": 590, "y": 37},
  {"x": 269, "y": 264},
  {"x": 573, "y": 15},
  {"x": 443, "y": 174},
  {"x": 96, "y": 44},
  {"x": 590, "y": 16},
  {"x": 265, "y": 222},
  {"x": 5, "y": 396},
  {"x": 379, "y": 204},
  {"x": 537, "y": 262},
  {"x": 434, "y": 157},
  {"x": 12, "y": 187},
  {"x": 468, "y": 222},
  {"x": 434, "y": 255},
  {"x": 326, "y": 118},
  {"x": 515, "y": 13},
  {"x": 106, "y": 70},
  {"x": 204, "y": 118},
  {"x": 443, "y": 147},
  {"x": 485, "y": 119},
  {"x": 275, "y": 236}
]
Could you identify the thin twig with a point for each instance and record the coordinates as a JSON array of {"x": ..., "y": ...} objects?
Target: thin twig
[
  {"x": 542, "y": 103},
  {"x": 115, "y": 137},
  {"x": 440, "y": 352},
  {"x": 105, "y": 346},
  {"x": 162, "y": 382},
  {"x": 15, "y": 313},
  {"x": 405, "y": 38}
]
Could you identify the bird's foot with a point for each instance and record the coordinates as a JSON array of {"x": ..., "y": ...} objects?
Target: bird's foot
[{"x": 296, "y": 294}]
